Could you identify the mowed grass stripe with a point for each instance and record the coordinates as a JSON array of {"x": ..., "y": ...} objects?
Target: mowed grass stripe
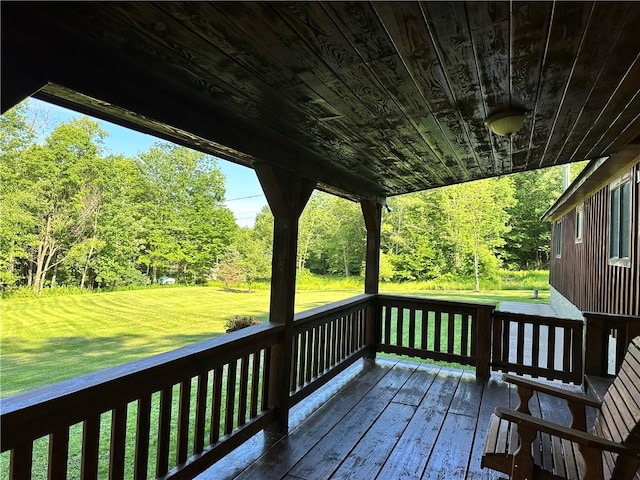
[{"x": 47, "y": 340}]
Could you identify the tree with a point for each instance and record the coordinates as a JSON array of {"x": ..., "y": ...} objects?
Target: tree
[
  {"x": 411, "y": 236},
  {"x": 186, "y": 225},
  {"x": 230, "y": 270},
  {"x": 476, "y": 221},
  {"x": 48, "y": 188}
]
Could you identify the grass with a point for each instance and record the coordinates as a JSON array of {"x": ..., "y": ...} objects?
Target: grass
[
  {"x": 50, "y": 339},
  {"x": 47, "y": 340}
]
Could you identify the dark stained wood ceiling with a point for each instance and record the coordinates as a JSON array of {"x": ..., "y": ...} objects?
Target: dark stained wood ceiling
[{"x": 368, "y": 99}]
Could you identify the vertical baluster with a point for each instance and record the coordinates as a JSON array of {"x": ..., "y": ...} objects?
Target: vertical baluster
[
  {"x": 310, "y": 349},
  {"x": 322, "y": 352},
  {"x": 345, "y": 336},
  {"x": 520, "y": 343},
  {"x": 425, "y": 330},
  {"x": 387, "y": 325},
  {"x": 451, "y": 331},
  {"x": 184, "y": 406},
  {"x": 506, "y": 339},
  {"x": 496, "y": 336},
  {"x": 295, "y": 361},
  {"x": 333, "y": 342},
  {"x": 231, "y": 397},
  {"x": 412, "y": 328},
  {"x": 242, "y": 394},
  {"x": 266, "y": 380},
  {"x": 90, "y": 446},
  {"x": 576, "y": 353},
  {"x": 551, "y": 348},
  {"x": 255, "y": 384},
  {"x": 399, "y": 326},
  {"x": 535, "y": 345},
  {"x": 303, "y": 357},
  {"x": 566, "y": 352},
  {"x": 20, "y": 462},
  {"x": 437, "y": 331},
  {"x": 216, "y": 406},
  {"x": 117, "y": 449},
  {"x": 352, "y": 332},
  {"x": 316, "y": 352},
  {"x": 339, "y": 340},
  {"x": 464, "y": 335},
  {"x": 58, "y": 454},
  {"x": 201, "y": 412},
  {"x": 164, "y": 431},
  {"x": 143, "y": 427}
]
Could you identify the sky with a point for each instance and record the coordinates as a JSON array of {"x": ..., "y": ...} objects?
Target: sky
[{"x": 243, "y": 191}]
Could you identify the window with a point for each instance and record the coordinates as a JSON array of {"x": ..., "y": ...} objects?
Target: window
[
  {"x": 620, "y": 221},
  {"x": 579, "y": 222},
  {"x": 557, "y": 239}
]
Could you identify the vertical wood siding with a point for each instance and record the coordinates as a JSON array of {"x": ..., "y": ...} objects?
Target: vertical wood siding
[{"x": 583, "y": 274}]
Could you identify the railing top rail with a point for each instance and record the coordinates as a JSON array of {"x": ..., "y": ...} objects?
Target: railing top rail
[
  {"x": 541, "y": 319},
  {"x": 332, "y": 308},
  {"x": 612, "y": 317},
  {"x": 75, "y": 399},
  {"x": 435, "y": 301}
]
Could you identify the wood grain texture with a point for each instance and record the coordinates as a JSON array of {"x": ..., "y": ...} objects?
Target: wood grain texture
[{"x": 370, "y": 99}]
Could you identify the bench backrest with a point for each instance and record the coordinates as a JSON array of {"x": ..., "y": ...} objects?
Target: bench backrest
[{"x": 618, "y": 419}]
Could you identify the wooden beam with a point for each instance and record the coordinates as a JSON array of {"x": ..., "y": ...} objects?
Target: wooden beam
[
  {"x": 287, "y": 194},
  {"x": 372, "y": 218},
  {"x": 372, "y": 212}
]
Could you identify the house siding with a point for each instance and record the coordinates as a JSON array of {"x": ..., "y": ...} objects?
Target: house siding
[{"x": 583, "y": 273}]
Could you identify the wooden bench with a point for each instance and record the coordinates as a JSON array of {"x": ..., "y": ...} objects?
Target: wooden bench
[{"x": 610, "y": 450}]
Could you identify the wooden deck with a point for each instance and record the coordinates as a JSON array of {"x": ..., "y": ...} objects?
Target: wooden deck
[{"x": 384, "y": 419}]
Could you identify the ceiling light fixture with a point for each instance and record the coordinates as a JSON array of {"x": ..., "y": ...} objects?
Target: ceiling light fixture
[{"x": 505, "y": 123}]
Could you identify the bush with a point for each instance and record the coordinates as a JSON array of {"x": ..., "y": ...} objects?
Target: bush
[{"x": 238, "y": 323}]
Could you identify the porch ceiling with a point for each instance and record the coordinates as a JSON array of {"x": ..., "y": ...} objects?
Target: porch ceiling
[{"x": 368, "y": 99}]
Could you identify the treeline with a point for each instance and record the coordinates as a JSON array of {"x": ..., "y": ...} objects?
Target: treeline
[
  {"x": 470, "y": 229},
  {"x": 73, "y": 215}
]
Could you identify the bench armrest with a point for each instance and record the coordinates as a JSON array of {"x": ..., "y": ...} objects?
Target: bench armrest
[
  {"x": 551, "y": 390},
  {"x": 568, "y": 433}
]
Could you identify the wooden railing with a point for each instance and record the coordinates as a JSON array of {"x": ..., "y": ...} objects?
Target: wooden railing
[
  {"x": 538, "y": 346},
  {"x": 607, "y": 339},
  {"x": 436, "y": 329},
  {"x": 196, "y": 403},
  {"x": 327, "y": 340},
  {"x": 175, "y": 414}
]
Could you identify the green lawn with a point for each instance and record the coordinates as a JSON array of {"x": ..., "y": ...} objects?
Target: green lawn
[
  {"x": 46, "y": 340},
  {"x": 50, "y": 339}
]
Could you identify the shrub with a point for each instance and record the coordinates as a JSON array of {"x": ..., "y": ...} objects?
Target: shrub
[{"x": 238, "y": 322}]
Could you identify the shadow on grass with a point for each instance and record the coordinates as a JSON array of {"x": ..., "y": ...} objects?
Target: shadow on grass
[{"x": 25, "y": 367}]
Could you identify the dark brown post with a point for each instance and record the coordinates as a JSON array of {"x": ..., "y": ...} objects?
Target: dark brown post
[
  {"x": 483, "y": 341},
  {"x": 287, "y": 194},
  {"x": 595, "y": 351},
  {"x": 372, "y": 212}
]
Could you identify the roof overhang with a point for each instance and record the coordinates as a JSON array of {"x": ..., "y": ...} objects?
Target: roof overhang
[{"x": 369, "y": 99}]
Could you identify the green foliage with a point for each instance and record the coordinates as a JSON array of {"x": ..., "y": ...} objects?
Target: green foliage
[
  {"x": 239, "y": 322},
  {"x": 77, "y": 217}
]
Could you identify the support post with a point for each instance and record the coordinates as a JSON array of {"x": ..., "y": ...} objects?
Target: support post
[
  {"x": 484, "y": 318},
  {"x": 372, "y": 212},
  {"x": 287, "y": 194},
  {"x": 595, "y": 346}
]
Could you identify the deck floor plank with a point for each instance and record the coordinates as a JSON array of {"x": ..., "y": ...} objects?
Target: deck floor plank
[
  {"x": 389, "y": 419},
  {"x": 411, "y": 453},
  {"x": 333, "y": 448},
  {"x": 280, "y": 458}
]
